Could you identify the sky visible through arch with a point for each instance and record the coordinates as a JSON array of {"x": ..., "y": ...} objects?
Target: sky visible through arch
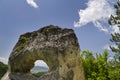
[{"x": 88, "y": 18}]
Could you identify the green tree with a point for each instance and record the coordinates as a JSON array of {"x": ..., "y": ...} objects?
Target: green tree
[
  {"x": 95, "y": 65},
  {"x": 102, "y": 65},
  {"x": 88, "y": 59},
  {"x": 114, "y": 65},
  {"x": 3, "y": 69},
  {"x": 115, "y": 21}
]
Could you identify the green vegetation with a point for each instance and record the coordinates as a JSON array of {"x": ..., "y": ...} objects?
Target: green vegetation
[
  {"x": 3, "y": 69},
  {"x": 22, "y": 42},
  {"x": 95, "y": 67},
  {"x": 39, "y": 74},
  {"x": 99, "y": 66}
]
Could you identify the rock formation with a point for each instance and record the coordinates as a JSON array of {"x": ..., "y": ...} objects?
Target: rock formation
[{"x": 57, "y": 47}]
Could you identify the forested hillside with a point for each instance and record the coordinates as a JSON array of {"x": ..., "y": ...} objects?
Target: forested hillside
[{"x": 3, "y": 69}]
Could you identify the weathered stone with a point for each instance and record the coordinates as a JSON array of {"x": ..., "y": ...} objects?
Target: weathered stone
[{"x": 57, "y": 47}]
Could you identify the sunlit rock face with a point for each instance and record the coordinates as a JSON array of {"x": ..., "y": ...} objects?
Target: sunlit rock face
[{"x": 57, "y": 47}]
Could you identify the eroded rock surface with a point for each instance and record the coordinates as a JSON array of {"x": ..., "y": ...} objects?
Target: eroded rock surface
[{"x": 57, "y": 47}]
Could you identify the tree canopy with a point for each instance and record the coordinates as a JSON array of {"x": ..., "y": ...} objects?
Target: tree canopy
[{"x": 97, "y": 66}]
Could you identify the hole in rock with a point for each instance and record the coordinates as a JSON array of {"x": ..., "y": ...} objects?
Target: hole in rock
[{"x": 40, "y": 68}]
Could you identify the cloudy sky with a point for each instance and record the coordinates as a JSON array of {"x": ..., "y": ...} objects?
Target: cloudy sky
[{"x": 87, "y": 17}]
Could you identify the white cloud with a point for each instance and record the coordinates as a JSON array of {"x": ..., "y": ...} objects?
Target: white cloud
[
  {"x": 115, "y": 28},
  {"x": 96, "y": 11},
  {"x": 4, "y": 60},
  {"x": 107, "y": 47},
  {"x": 115, "y": 46},
  {"x": 40, "y": 63},
  {"x": 32, "y": 3},
  {"x": 100, "y": 26}
]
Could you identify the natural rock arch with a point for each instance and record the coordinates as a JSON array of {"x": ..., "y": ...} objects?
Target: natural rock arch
[
  {"x": 57, "y": 47},
  {"x": 39, "y": 67}
]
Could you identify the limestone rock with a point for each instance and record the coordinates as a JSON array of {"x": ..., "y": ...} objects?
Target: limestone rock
[{"x": 57, "y": 47}]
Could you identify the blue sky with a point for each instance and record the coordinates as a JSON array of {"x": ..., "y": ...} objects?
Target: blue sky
[{"x": 89, "y": 23}]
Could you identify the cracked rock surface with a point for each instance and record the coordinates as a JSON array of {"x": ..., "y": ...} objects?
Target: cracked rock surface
[{"x": 56, "y": 46}]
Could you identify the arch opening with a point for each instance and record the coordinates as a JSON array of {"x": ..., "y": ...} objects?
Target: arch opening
[{"x": 40, "y": 68}]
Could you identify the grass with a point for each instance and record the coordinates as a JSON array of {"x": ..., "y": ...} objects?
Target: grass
[{"x": 39, "y": 74}]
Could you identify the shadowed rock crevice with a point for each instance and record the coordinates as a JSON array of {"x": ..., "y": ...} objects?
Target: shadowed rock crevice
[{"x": 57, "y": 47}]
